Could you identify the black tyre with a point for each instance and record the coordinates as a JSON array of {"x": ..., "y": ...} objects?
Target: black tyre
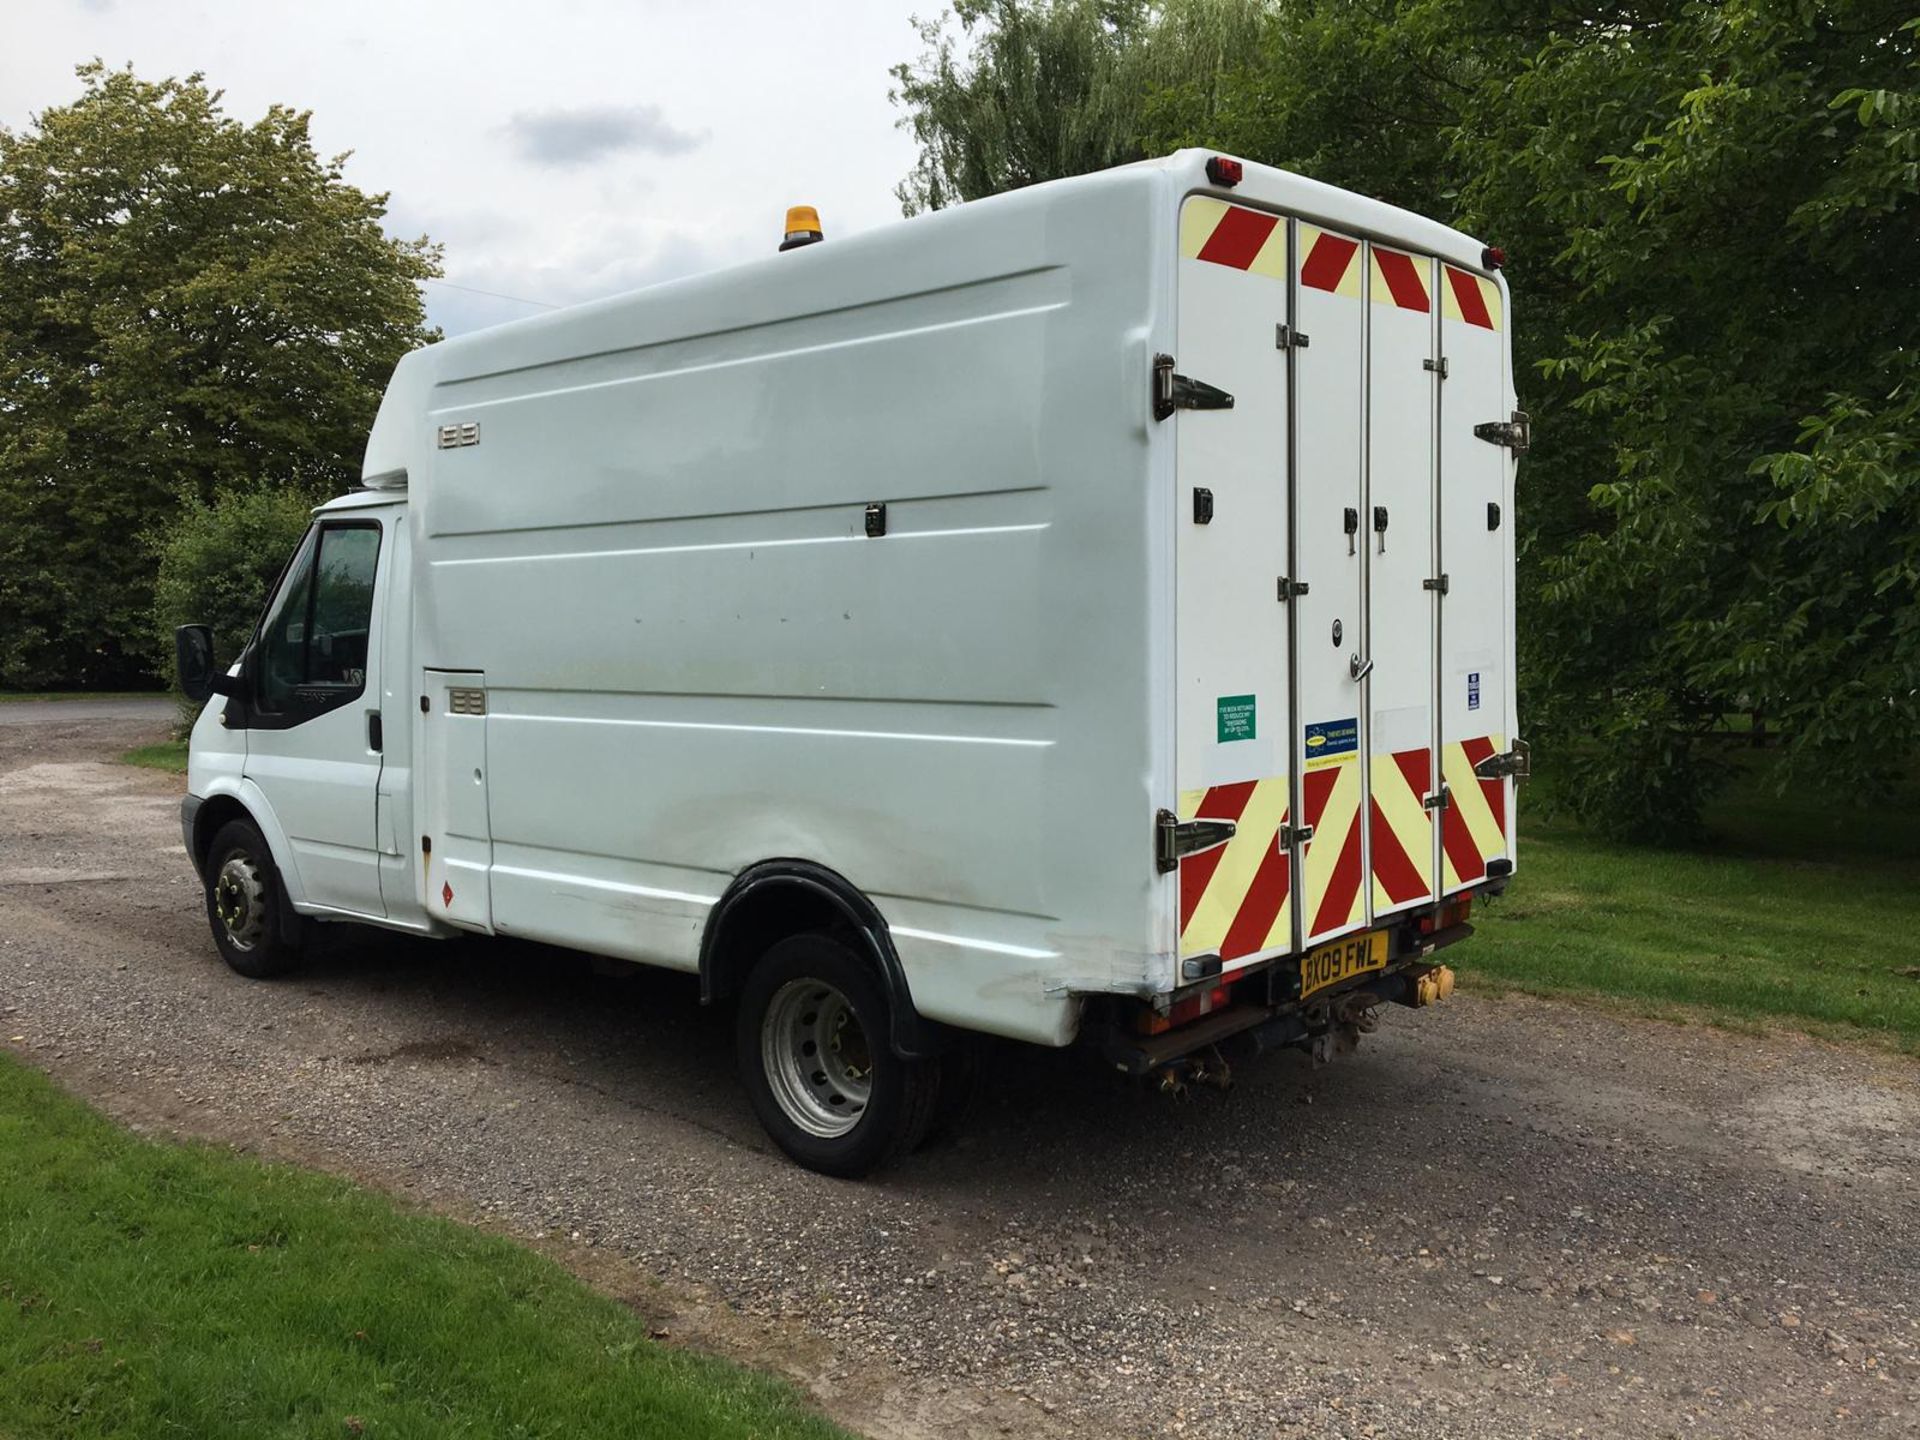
[
  {"x": 812, "y": 1045},
  {"x": 256, "y": 932}
]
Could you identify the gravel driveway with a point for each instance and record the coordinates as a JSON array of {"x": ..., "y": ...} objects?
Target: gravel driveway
[{"x": 1501, "y": 1218}]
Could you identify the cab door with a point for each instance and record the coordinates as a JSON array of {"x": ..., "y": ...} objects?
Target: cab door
[{"x": 311, "y": 710}]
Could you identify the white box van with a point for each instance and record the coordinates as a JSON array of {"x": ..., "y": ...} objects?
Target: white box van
[{"x": 1081, "y": 614}]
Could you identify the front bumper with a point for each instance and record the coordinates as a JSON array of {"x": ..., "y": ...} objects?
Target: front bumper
[{"x": 189, "y": 813}]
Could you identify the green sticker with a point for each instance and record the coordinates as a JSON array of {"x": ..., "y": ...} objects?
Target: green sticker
[{"x": 1235, "y": 717}]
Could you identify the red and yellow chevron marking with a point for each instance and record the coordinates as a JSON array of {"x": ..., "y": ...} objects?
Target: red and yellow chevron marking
[
  {"x": 1400, "y": 279},
  {"x": 1234, "y": 236},
  {"x": 1402, "y": 830},
  {"x": 1234, "y": 899},
  {"x": 1475, "y": 830},
  {"x": 1332, "y": 857},
  {"x": 1329, "y": 262},
  {"x": 1471, "y": 298}
]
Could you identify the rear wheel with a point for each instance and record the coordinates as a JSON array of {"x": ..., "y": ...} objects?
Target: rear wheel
[
  {"x": 254, "y": 929},
  {"x": 813, "y": 1052}
]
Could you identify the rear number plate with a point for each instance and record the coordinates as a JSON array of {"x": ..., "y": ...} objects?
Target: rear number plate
[{"x": 1342, "y": 960}]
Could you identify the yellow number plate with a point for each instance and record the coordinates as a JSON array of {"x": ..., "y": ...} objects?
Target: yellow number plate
[{"x": 1342, "y": 960}]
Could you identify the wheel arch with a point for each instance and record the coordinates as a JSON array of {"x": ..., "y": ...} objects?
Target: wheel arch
[
  {"x": 777, "y": 898},
  {"x": 245, "y": 802}
]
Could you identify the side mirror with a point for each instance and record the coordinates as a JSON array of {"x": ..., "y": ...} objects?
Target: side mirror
[{"x": 200, "y": 675}]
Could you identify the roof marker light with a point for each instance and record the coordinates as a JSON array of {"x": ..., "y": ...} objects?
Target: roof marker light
[
  {"x": 1222, "y": 171},
  {"x": 1493, "y": 257}
]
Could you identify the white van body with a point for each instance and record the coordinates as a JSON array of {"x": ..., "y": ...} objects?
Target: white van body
[{"x": 640, "y": 623}]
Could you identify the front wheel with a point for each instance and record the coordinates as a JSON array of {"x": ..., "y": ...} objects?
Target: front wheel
[
  {"x": 256, "y": 932},
  {"x": 813, "y": 1052}
]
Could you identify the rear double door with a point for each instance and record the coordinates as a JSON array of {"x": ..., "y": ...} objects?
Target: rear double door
[{"x": 1329, "y": 470}]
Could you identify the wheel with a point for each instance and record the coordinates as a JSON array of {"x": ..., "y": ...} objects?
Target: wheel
[
  {"x": 813, "y": 1052},
  {"x": 254, "y": 930}
]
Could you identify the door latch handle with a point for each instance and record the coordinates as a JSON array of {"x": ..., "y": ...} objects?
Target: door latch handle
[
  {"x": 375, "y": 737},
  {"x": 1358, "y": 670},
  {"x": 1380, "y": 526}
]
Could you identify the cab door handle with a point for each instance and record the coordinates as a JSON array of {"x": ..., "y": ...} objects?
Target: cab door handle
[{"x": 375, "y": 735}]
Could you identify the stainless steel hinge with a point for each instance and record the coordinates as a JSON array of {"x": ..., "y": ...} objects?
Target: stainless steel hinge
[
  {"x": 1439, "y": 800},
  {"x": 1289, "y": 836},
  {"x": 1174, "y": 839},
  {"x": 1173, "y": 392},
  {"x": 1516, "y": 434},
  {"x": 1285, "y": 337},
  {"x": 1287, "y": 588},
  {"x": 1437, "y": 367},
  {"x": 1438, "y": 583},
  {"x": 1517, "y": 762}
]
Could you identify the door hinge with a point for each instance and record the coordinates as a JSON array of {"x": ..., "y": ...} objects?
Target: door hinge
[
  {"x": 1516, "y": 434},
  {"x": 1174, "y": 838},
  {"x": 1288, "y": 836},
  {"x": 1437, "y": 367},
  {"x": 1517, "y": 762},
  {"x": 1288, "y": 588},
  {"x": 1285, "y": 337},
  {"x": 1439, "y": 800},
  {"x": 1173, "y": 392},
  {"x": 1439, "y": 584}
]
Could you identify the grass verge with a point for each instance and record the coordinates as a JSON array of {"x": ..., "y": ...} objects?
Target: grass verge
[
  {"x": 168, "y": 755},
  {"x": 159, "y": 1289},
  {"x": 1799, "y": 912}
]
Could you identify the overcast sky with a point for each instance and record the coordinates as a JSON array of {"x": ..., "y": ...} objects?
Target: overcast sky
[{"x": 560, "y": 149}]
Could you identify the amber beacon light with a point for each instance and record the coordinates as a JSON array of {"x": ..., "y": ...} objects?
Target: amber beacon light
[{"x": 803, "y": 227}]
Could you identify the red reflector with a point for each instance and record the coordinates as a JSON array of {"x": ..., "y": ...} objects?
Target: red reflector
[
  {"x": 1426, "y": 924},
  {"x": 1493, "y": 257},
  {"x": 1222, "y": 171}
]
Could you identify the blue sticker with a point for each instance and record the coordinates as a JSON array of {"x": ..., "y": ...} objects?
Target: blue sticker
[
  {"x": 1473, "y": 690},
  {"x": 1332, "y": 740}
]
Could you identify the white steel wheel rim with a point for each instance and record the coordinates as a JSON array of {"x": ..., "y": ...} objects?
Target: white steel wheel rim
[
  {"x": 240, "y": 900},
  {"x": 816, "y": 1057}
]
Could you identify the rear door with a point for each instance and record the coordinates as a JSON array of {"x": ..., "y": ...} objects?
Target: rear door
[
  {"x": 1476, "y": 504},
  {"x": 1403, "y": 382},
  {"x": 1234, "y": 720}
]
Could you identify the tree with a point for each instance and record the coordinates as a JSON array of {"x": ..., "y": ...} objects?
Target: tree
[
  {"x": 1709, "y": 206},
  {"x": 1051, "y": 89},
  {"x": 216, "y": 563},
  {"x": 187, "y": 303}
]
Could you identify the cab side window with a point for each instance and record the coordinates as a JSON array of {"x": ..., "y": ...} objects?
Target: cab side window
[{"x": 314, "y": 642}]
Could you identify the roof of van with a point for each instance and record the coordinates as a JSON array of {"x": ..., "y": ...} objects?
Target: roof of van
[{"x": 749, "y": 293}]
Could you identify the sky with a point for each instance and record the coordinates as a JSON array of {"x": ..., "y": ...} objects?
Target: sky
[{"x": 561, "y": 150}]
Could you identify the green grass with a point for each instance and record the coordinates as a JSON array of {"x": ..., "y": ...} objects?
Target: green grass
[
  {"x": 168, "y": 755},
  {"x": 152, "y": 1289},
  {"x": 10, "y": 697},
  {"x": 1797, "y": 912}
]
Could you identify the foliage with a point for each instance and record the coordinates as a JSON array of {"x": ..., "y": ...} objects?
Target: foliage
[
  {"x": 1710, "y": 209},
  {"x": 186, "y": 302},
  {"x": 1052, "y": 89},
  {"x": 1787, "y": 919},
  {"x": 217, "y": 562},
  {"x": 153, "y": 1289}
]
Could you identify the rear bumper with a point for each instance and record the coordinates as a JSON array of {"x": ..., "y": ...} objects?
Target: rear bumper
[{"x": 1276, "y": 1022}]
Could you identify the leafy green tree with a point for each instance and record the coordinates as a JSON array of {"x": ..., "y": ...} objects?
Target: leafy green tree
[
  {"x": 216, "y": 562},
  {"x": 1710, "y": 208},
  {"x": 186, "y": 302},
  {"x": 1026, "y": 92}
]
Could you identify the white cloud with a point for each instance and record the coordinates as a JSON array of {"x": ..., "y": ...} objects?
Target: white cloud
[{"x": 437, "y": 100}]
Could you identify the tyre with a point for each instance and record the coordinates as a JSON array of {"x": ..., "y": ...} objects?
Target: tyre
[
  {"x": 812, "y": 1042},
  {"x": 255, "y": 930}
]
